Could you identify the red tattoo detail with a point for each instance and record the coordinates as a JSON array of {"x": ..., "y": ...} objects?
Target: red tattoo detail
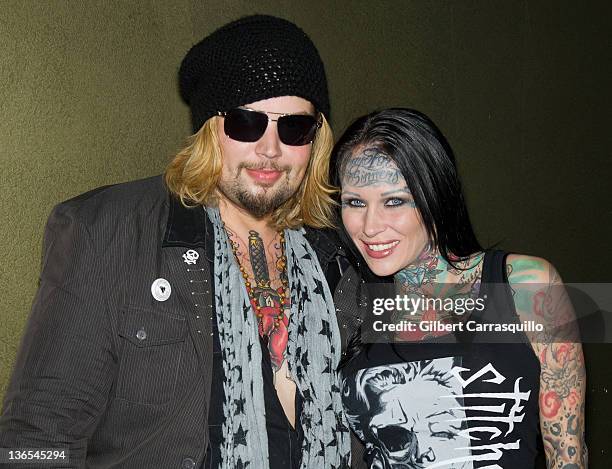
[
  {"x": 573, "y": 397},
  {"x": 541, "y": 303},
  {"x": 276, "y": 330},
  {"x": 562, "y": 354},
  {"x": 550, "y": 404},
  {"x": 543, "y": 356}
]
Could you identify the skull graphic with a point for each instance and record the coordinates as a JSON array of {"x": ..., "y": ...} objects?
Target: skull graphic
[
  {"x": 191, "y": 256},
  {"x": 399, "y": 412}
]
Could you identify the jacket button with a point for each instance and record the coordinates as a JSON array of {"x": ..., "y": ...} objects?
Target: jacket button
[
  {"x": 188, "y": 463},
  {"x": 141, "y": 334}
]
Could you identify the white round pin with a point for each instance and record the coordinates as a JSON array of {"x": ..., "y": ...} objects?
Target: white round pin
[{"x": 161, "y": 289}]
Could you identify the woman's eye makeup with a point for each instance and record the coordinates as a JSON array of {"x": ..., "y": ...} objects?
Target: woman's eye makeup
[
  {"x": 352, "y": 203},
  {"x": 399, "y": 201},
  {"x": 394, "y": 202},
  {"x": 389, "y": 202},
  {"x": 399, "y": 198}
]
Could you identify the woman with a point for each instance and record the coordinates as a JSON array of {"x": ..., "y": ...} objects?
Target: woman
[{"x": 450, "y": 391}]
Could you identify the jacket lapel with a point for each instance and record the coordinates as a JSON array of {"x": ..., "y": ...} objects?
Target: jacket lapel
[{"x": 187, "y": 253}]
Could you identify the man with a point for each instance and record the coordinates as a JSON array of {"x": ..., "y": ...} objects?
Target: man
[{"x": 186, "y": 322}]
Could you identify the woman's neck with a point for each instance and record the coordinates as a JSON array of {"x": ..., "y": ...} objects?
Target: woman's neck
[
  {"x": 431, "y": 268},
  {"x": 426, "y": 269}
]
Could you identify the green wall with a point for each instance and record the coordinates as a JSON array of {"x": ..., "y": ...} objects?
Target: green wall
[{"x": 88, "y": 97}]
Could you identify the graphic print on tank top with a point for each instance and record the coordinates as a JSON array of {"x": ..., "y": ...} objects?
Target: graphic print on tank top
[{"x": 435, "y": 413}]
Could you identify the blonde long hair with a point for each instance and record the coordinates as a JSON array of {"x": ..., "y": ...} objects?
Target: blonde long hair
[{"x": 194, "y": 172}]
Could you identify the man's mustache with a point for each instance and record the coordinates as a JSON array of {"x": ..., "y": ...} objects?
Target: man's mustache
[{"x": 272, "y": 166}]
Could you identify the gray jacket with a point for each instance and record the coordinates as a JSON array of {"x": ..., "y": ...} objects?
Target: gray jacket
[{"x": 105, "y": 369}]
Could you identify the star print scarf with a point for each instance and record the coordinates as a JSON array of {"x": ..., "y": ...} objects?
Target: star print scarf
[{"x": 313, "y": 352}]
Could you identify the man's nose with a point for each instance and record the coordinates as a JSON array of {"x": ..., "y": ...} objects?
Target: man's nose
[{"x": 269, "y": 145}]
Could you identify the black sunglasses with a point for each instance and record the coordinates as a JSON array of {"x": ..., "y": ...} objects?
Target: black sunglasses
[{"x": 248, "y": 125}]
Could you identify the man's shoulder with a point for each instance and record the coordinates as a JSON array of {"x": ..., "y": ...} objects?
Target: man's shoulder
[
  {"x": 116, "y": 200},
  {"x": 324, "y": 241},
  {"x": 331, "y": 255},
  {"x": 131, "y": 192},
  {"x": 105, "y": 209}
]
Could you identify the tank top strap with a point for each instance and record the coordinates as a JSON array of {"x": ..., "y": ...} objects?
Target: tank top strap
[
  {"x": 496, "y": 290},
  {"x": 494, "y": 267}
]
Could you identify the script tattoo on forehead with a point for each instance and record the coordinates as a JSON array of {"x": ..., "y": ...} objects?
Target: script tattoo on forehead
[{"x": 371, "y": 167}]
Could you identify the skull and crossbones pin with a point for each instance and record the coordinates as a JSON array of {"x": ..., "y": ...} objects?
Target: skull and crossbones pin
[{"x": 191, "y": 256}]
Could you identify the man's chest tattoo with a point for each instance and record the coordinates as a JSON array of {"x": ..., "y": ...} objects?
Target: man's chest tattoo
[{"x": 266, "y": 285}]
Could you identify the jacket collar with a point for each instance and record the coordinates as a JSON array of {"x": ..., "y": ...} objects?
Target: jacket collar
[
  {"x": 325, "y": 242},
  {"x": 190, "y": 227}
]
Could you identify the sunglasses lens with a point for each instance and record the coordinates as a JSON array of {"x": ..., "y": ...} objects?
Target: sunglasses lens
[
  {"x": 297, "y": 129},
  {"x": 245, "y": 126}
]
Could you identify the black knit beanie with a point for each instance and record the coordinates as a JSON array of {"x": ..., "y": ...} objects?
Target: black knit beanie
[{"x": 250, "y": 59}]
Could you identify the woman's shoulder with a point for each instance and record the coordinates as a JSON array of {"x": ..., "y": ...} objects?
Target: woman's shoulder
[
  {"x": 525, "y": 269},
  {"x": 539, "y": 295}
]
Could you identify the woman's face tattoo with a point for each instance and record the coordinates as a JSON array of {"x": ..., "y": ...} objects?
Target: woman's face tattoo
[{"x": 379, "y": 212}]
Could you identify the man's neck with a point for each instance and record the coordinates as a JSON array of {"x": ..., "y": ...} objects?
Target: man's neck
[{"x": 241, "y": 221}]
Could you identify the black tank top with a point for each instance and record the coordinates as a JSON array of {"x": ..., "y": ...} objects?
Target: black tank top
[{"x": 455, "y": 401}]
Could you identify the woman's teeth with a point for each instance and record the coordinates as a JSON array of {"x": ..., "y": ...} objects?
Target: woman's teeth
[{"x": 382, "y": 247}]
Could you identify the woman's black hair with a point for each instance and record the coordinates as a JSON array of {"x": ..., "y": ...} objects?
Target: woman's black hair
[{"x": 427, "y": 163}]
